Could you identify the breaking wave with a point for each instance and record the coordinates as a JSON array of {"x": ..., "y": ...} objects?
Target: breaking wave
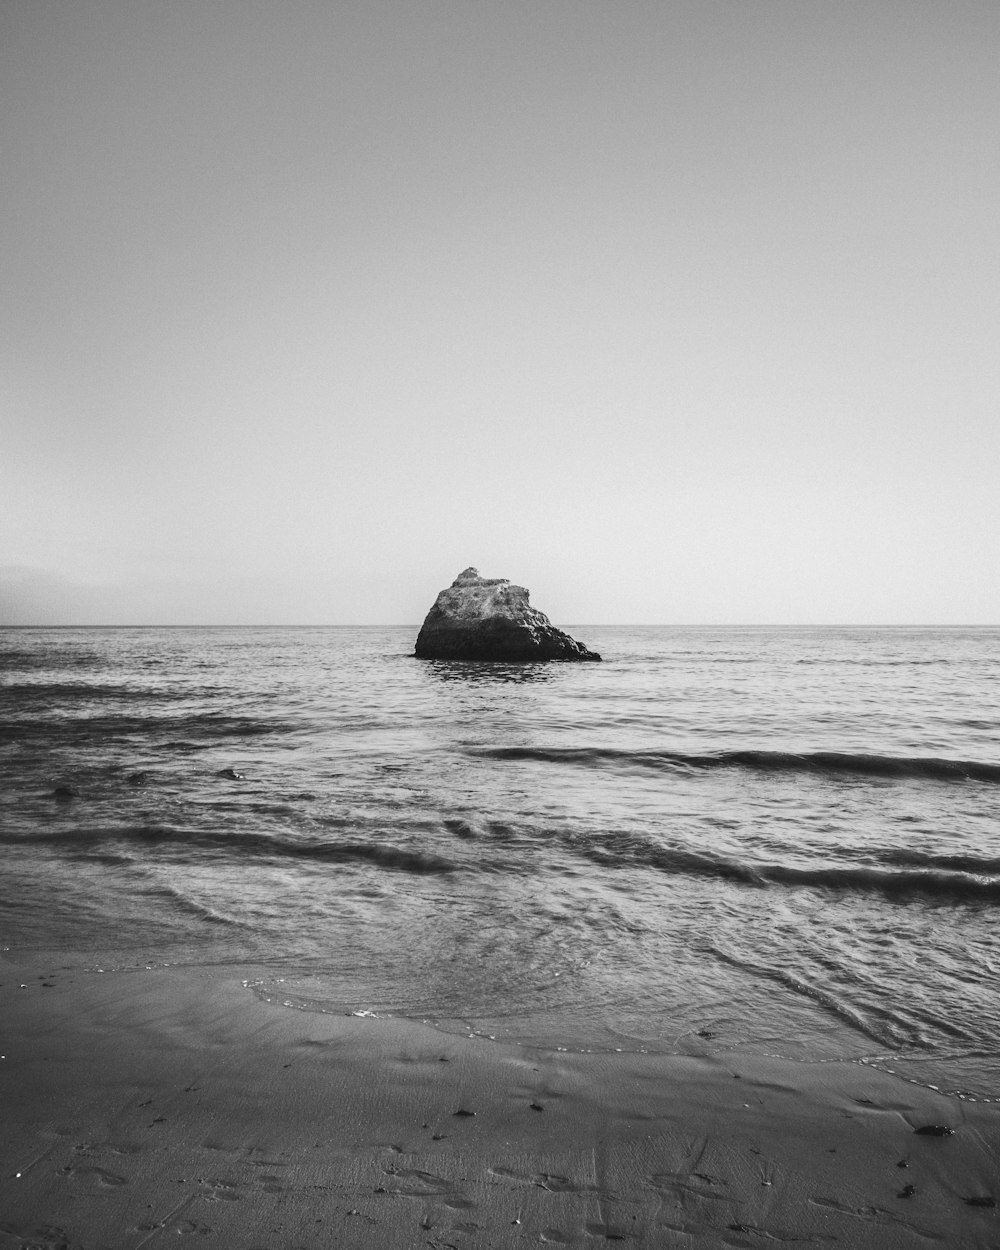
[
  {"x": 965, "y": 878},
  {"x": 821, "y": 762},
  {"x": 200, "y": 845},
  {"x": 891, "y": 872}
]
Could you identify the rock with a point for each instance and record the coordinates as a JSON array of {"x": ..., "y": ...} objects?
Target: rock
[{"x": 486, "y": 618}]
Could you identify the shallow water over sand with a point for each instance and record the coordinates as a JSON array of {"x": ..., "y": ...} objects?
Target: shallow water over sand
[{"x": 778, "y": 840}]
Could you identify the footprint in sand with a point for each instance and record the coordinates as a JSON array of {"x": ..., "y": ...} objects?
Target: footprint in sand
[
  {"x": 607, "y": 1232},
  {"x": 416, "y": 1184},
  {"x": 104, "y": 1177},
  {"x": 544, "y": 1180},
  {"x": 506, "y": 1174},
  {"x": 697, "y": 1184},
  {"x": 189, "y": 1226},
  {"x": 844, "y": 1208},
  {"x": 43, "y": 1236},
  {"x": 219, "y": 1191}
]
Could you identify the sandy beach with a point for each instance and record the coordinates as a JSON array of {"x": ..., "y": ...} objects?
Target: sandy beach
[{"x": 171, "y": 1105}]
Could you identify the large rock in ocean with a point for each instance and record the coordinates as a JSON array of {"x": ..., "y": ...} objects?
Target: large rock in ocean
[{"x": 486, "y": 618}]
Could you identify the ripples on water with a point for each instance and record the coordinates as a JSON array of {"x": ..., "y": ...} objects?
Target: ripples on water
[{"x": 782, "y": 840}]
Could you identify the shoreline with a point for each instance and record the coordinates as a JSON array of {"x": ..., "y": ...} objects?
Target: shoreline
[{"x": 151, "y": 1105}]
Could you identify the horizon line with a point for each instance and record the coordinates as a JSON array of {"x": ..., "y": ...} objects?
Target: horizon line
[{"x": 569, "y": 624}]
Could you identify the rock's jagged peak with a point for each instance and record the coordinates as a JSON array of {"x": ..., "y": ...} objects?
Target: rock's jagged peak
[{"x": 470, "y": 575}]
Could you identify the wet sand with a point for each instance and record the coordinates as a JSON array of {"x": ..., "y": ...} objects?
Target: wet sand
[{"x": 172, "y": 1107}]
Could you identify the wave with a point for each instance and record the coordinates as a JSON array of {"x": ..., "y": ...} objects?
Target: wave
[
  {"x": 25, "y": 695},
  {"x": 946, "y": 885},
  {"x": 820, "y": 762},
  {"x": 198, "y": 844},
  {"x": 947, "y": 878},
  {"x": 950, "y": 862},
  {"x": 14, "y": 659},
  {"x": 200, "y": 910},
  {"x": 846, "y": 662},
  {"x": 29, "y": 692},
  {"x": 186, "y": 732},
  {"x": 893, "y": 873},
  {"x": 880, "y": 1031}
]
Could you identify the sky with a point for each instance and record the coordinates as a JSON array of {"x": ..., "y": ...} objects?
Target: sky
[{"x": 673, "y": 311}]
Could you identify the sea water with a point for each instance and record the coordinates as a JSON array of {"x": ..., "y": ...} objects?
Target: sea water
[{"x": 781, "y": 841}]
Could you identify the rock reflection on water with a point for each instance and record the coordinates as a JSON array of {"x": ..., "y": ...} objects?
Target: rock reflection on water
[{"x": 488, "y": 672}]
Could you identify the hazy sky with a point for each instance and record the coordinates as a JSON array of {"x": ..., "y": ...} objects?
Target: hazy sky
[{"x": 673, "y": 311}]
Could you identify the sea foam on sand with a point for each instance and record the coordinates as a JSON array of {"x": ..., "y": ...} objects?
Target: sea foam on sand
[{"x": 173, "y": 1106}]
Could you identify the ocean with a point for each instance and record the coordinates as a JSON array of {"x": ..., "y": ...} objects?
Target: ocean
[{"x": 769, "y": 840}]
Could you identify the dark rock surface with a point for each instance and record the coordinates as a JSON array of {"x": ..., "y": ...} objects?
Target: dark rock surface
[{"x": 486, "y": 618}]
